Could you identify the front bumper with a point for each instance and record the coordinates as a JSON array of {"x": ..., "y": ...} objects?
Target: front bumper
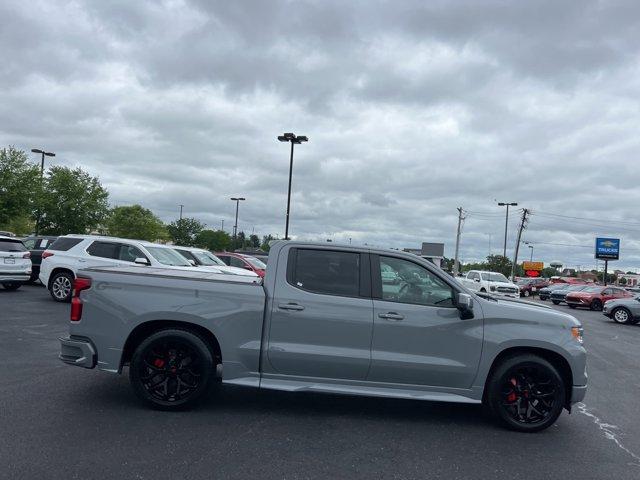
[
  {"x": 577, "y": 393},
  {"x": 77, "y": 351}
]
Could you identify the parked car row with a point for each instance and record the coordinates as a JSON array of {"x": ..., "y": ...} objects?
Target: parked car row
[
  {"x": 55, "y": 260},
  {"x": 617, "y": 303}
]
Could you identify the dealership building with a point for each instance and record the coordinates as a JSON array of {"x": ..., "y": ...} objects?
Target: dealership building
[{"x": 434, "y": 252}]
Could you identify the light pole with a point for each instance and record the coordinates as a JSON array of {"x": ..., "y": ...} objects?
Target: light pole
[
  {"x": 44, "y": 154},
  {"x": 235, "y": 227},
  {"x": 531, "y": 247},
  {"x": 290, "y": 137},
  {"x": 506, "y": 223},
  {"x": 181, "y": 207}
]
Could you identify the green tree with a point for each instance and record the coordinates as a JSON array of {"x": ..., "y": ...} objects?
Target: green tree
[
  {"x": 214, "y": 240},
  {"x": 136, "y": 222},
  {"x": 72, "y": 201},
  {"x": 241, "y": 241},
  {"x": 19, "y": 191},
  {"x": 254, "y": 241},
  {"x": 623, "y": 281},
  {"x": 265, "y": 242},
  {"x": 184, "y": 231},
  {"x": 548, "y": 272}
]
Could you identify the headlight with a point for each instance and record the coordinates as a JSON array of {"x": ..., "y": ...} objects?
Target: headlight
[{"x": 576, "y": 333}]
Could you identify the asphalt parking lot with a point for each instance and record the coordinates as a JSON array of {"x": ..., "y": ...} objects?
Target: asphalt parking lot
[{"x": 58, "y": 421}]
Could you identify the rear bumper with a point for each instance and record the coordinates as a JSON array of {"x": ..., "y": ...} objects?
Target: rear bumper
[
  {"x": 577, "y": 393},
  {"x": 77, "y": 351},
  {"x": 15, "y": 277}
]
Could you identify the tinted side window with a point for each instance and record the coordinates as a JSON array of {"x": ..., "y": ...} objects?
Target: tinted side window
[
  {"x": 225, "y": 259},
  {"x": 30, "y": 243},
  {"x": 236, "y": 262},
  {"x": 129, "y": 253},
  {"x": 64, "y": 244},
  {"x": 103, "y": 249},
  {"x": 414, "y": 284},
  {"x": 328, "y": 272}
]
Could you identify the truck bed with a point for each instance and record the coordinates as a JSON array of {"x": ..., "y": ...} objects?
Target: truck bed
[{"x": 123, "y": 300}]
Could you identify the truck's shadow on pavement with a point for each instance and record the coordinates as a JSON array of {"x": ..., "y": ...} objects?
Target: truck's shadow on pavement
[{"x": 231, "y": 400}]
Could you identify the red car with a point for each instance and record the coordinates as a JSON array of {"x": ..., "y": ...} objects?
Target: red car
[
  {"x": 594, "y": 297},
  {"x": 243, "y": 261}
]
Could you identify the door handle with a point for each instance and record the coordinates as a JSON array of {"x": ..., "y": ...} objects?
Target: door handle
[
  {"x": 391, "y": 316},
  {"x": 290, "y": 306}
]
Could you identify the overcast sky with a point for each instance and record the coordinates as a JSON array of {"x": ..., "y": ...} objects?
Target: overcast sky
[{"x": 411, "y": 108}]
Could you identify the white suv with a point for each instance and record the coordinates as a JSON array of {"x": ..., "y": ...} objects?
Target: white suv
[
  {"x": 15, "y": 263},
  {"x": 69, "y": 253},
  {"x": 204, "y": 258}
]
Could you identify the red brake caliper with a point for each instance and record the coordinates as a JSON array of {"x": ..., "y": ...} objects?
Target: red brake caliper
[
  {"x": 512, "y": 396},
  {"x": 158, "y": 362}
]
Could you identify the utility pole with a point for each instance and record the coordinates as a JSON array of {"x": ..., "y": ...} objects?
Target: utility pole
[
  {"x": 181, "y": 206},
  {"x": 523, "y": 225},
  {"x": 506, "y": 223},
  {"x": 222, "y": 227},
  {"x": 290, "y": 137},
  {"x": 456, "y": 263}
]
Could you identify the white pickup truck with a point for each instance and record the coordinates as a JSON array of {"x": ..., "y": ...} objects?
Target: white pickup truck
[{"x": 490, "y": 282}]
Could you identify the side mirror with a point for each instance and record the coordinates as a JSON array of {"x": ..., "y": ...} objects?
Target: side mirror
[
  {"x": 464, "y": 302},
  {"x": 192, "y": 262},
  {"x": 141, "y": 261},
  {"x": 476, "y": 280}
]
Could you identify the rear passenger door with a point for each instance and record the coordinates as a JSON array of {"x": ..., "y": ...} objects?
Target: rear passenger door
[
  {"x": 100, "y": 254},
  {"x": 322, "y": 315}
]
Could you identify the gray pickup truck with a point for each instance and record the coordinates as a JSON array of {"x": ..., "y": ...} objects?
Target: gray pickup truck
[{"x": 325, "y": 319}]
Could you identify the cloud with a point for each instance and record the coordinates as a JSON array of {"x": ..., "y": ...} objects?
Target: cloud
[{"x": 412, "y": 109}]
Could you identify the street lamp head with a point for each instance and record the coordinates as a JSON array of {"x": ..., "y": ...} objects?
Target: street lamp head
[
  {"x": 289, "y": 136},
  {"x": 35, "y": 150},
  {"x": 282, "y": 138},
  {"x": 50, "y": 154},
  {"x": 237, "y": 199},
  {"x": 301, "y": 138}
]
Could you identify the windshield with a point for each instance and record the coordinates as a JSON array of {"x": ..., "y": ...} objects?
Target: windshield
[
  {"x": 593, "y": 290},
  {"x": 166, "y": 256},
  {"x": 494, "y": 277},
  {"x": 255, "y": 263},
  {"x": 206, "y": 258}
]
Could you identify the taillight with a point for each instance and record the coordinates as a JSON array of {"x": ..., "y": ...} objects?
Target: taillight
[
  {"x": 46, "y": 254},
  {"x": 79, "y": 285},
  {"x": 26, "y": 255}
]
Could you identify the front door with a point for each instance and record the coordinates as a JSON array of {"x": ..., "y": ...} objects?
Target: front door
[
  {"x": 418, "y": 336},
  {"x": 322, "y": 316}
]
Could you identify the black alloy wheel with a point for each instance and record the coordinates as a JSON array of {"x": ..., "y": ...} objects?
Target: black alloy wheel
[
  {"x": 172, "y": 369},
  {"x": 526, "y": 393},
  {"x": 596, "y": 304}
]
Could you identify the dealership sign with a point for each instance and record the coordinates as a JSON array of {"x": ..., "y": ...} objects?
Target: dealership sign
[
  {"x": 538, "y": 266},
  {"x": 608, "y": 248}
]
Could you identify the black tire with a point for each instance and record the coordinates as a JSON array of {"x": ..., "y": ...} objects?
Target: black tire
[
  {"x": 167, "y": 348},
  {"x": 11, "y": 286},
  {"x": 556, "y": 302},
  {"x": 61, "y": 286},
  {"x": 622, "y": 315},
  {"x": 596, "y": 305},
  {"x": 526, "y": 293},
  {"x": 511, "y": 387}
]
